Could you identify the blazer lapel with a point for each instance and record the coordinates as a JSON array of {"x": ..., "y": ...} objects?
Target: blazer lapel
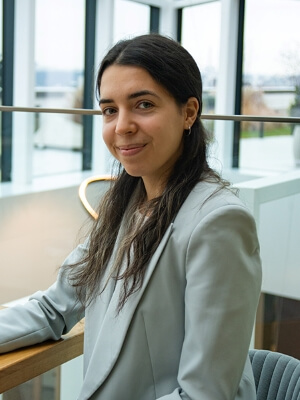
[{"x": 114, "y": 329}]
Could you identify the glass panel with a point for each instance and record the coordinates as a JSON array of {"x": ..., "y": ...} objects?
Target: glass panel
[
  {"x": 45, "y": 144},
  {"x": 57, "y": 144},
  {"x": 200, "y": 36},
  {"x": 279, "y": 325},
  {"x": 271, "y": 76},
  {"x": 137, "y": 23},
  {"x": 43, "y": 387},
  {"x": 265, "y": 148},
  {"x": 269, "y": 147},
  {"x": 59, "y": 43},
  {"x": 271, "y": 56}
]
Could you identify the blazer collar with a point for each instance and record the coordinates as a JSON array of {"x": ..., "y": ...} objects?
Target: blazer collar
[{"x": 114, "y": 329}]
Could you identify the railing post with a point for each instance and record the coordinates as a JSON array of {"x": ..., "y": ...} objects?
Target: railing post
[
  {"x": 24, "y": 92},
  {"x": 225, "y": 99}
]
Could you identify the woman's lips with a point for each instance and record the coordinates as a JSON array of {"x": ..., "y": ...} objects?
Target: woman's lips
[{"x": 131, "y": 150}]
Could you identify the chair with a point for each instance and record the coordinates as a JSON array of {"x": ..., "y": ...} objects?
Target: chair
[
  {"x": 277, "y": 376},
  {"x": 83, "y": 195}
]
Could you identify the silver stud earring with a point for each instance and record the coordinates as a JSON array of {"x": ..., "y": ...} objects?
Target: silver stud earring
[{"x": 189, "y": 131}]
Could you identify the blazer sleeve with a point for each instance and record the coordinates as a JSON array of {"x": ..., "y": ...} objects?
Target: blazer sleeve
[
  {"x": 47, "y": 315},
  {"x": 223, "y": 282}
]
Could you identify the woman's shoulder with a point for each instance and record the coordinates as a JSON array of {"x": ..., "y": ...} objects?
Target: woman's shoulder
[
  {"x": 215, "y": 193},
  {"x": 207, "y": 197}
]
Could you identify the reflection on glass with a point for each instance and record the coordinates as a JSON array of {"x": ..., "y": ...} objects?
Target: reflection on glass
[
  {"x": 200, "y": 36},
  {"x": 59, "y": 43},
  {"x": 138, "y": 22}
]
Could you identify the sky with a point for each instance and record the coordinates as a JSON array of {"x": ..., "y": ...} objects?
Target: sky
[{"x": 271, "y": 29}]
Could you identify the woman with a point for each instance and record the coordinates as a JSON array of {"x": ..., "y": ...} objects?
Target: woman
[{"x": 169, "y": 277}]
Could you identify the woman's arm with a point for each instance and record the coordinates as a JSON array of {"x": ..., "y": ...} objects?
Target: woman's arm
[
  {"x": 47, "y": 315},
  {"x": 223, "y": 273}
]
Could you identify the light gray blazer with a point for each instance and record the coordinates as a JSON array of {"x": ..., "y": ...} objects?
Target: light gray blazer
[{"x": 185, "y": 334}]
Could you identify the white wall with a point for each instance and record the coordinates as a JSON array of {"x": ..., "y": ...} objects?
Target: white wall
[{"x": 275, "y": 203}]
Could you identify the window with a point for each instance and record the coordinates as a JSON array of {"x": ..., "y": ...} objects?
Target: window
[
  {"x": 200, "y": 36},
  {"x": 7, "y": 52},
  {"x": 59, "y": 59},
  {"x": 131, "y": 19},
  {"x": 271, "y": 68},
  {"x": 271, "y": 76}
]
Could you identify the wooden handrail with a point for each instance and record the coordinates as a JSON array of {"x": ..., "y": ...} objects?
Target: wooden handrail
[{"x": 21, "y": 365}]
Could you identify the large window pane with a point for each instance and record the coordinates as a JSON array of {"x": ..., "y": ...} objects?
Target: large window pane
[
  {"x": 131, "y": 19},
  {"x": 59, "y": 57},
  {"x": 272, "y": 53},
  {"x": 271, "y": 71},
  {"x": 200, "y": 36}
]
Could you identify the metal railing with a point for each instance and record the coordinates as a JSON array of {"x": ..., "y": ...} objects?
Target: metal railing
[{"x": 81, "y": 111}]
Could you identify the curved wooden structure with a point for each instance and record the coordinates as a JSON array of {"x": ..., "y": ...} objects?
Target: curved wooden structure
[{"x": 82, "y": 192}]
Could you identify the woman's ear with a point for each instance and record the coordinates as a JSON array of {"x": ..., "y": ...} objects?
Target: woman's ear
[{"x": 191, "y": 111}]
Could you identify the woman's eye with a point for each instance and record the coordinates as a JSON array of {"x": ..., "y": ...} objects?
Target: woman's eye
[
  {"x": 108, "y": 111},
  {"x": 145, "y": 104}
]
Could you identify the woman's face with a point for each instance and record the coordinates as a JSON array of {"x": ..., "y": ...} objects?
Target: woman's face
[{"x": 143, "y": 127}]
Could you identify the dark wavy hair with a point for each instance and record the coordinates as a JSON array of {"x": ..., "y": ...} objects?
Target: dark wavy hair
[{"x": 175, "y": 69}]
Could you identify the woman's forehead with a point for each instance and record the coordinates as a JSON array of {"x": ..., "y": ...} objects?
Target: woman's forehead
[{"x": 129, "y": 79}]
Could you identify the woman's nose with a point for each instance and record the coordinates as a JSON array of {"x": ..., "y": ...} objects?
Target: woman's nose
[{"x": 125, "y": 124}]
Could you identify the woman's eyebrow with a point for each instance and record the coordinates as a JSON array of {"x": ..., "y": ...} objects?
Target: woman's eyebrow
[
  {"x": 131, "y": 96},
  {"x": 142, "y": 93},
  {"x": 105, "y": 101}
]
